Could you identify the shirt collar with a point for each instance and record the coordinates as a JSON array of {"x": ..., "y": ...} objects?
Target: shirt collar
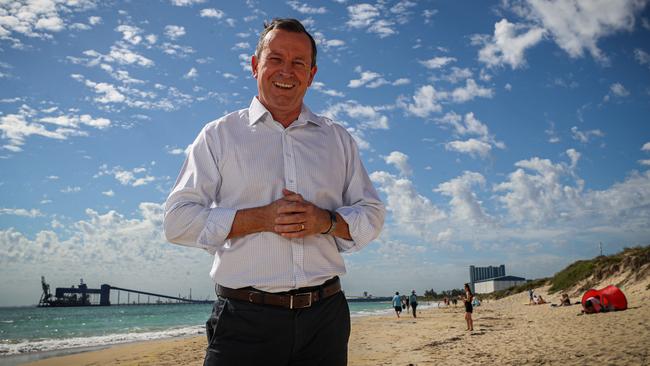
[{"x": 257, "y": 110}]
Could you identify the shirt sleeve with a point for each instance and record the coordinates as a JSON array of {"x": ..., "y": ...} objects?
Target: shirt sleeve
[
  {"x": 190, "y": 216},
  {"x": 363, "y": 211}
]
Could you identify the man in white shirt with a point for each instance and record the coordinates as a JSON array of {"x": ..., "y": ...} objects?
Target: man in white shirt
[{"x": 276, "y": 194}]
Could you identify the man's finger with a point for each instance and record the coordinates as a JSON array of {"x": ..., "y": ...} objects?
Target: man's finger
[{"x": 291, "y": 208}]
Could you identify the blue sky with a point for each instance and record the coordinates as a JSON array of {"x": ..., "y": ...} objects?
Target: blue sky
[{"x": 497, "y": 132}]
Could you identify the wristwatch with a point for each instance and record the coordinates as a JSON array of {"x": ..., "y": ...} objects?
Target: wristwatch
[{"x": 332, "y": 223}]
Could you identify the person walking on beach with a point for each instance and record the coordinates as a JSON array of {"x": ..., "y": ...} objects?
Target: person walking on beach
[
  {"x": 397, "y": 303},
  {"x": 468, "y": 307},
  {"x": 530, "y": 297},
  {"x": 276, "y": 193},
  {"x": 413, "y": 300}
]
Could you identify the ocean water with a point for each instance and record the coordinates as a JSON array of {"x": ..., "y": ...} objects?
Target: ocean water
[{"x": 25, "y": 330}]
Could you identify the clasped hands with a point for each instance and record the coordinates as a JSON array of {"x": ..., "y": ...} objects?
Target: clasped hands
[{"x": 293, "y": 217}]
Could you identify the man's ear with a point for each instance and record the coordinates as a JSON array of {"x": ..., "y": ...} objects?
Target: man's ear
[
  {"x": 254, "y": 62},
  {"x": 312, "y": 73}
]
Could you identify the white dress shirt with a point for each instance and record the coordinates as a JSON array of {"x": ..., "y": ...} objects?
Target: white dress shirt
[{"x": 244, "y": 160}]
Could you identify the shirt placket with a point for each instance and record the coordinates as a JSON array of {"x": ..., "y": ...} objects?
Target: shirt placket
[{"x": 290, "y": 181}]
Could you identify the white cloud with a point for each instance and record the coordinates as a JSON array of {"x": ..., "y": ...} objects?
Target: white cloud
[
  {"x": 585, "y": 136},
  {"x": 212, "y": 13},
  {"x": 21, "y": 212},
  {"x": 107, "y": 92},
  {"x": 642, "y": 57},
  {"x": 109, "y": 193},
  {"x": 134, "y": 178},
  {"x": 369, "y": 117},
  {"x": 411, "y": 212},
  {"x": 508, "y": 44},
  {"x": 17, "y": 127},
  {"x": 540, "y": 196},
  {"x": 470, "y": 91},
  {"x": 186, "y": 2},
  {"x": 473, "y": 147},
  {"x": 191, "y": 74},
  {"x": 437, "y": 62},
  {"x": 69, "y": 189},
  {"x": 464, "y": 203},
  {"x": 646, "y": 147},
  {"x": 401, "y": 81},
  {"x": 400, "y": 161},
  {"x": 426, "y": 101},
  {"x": 37, "y": 18},
  {"x": 457, "y": 74},
  {"x": 576, "y": 26},
  {"x": 306, "y": 9},
  {"x": 368, "y": 16},
  {"x": 130, "y": 34},
  {"x": 174, "y": 32},
  {"x": 94, "y": 20},
  {"x": 319, "y": 86},
  {"x": 619, "y": 90}
]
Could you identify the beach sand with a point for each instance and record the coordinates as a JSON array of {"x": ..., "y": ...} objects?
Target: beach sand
[{"x": 507, "y": 332}]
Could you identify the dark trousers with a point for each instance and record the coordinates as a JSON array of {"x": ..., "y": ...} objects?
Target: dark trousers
[{"x": 241, "y": 333}]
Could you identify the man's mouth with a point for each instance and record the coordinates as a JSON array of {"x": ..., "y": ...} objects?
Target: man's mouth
[{"x": 283, "y": 85}]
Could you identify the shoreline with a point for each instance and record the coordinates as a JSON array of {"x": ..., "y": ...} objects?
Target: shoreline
[
  {"x": 507, "y": 331},
  {"x": 31, "y": 357}
]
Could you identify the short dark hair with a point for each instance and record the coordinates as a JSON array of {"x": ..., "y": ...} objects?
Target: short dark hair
[{"x": 289, "y": 25}]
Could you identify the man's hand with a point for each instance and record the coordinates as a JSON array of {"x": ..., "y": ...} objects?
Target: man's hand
[{"x": 297, "y": 218}]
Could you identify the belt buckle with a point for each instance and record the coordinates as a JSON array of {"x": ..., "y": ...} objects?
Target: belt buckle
[{"x": 300, "y": 295}]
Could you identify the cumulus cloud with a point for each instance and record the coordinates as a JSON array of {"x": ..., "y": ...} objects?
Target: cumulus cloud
[
  {"x": 576, "y": 26},
  {"x": 193, "y": 73},
  {"x": 508, "y": 44},
  {"x": 470, "y": 91},
  {"x": 37, "y": 18},
  {"x": 536, "y": 191},
  {"x": 174, "y": 32},
  {"x": 16, "y": 128},
  {"x": 618, "y": 90},
  {"x": 368, "y": 78},
  {"x": 642, "y": 57},
  {"x": 212, "y": 13},
  {"x": 134, "y": 177},
  {"x": 369, "y": 17},
  {"x": 186, "y": 2},
  {"x": 305, "y": 8},
  {"x": 426, "y": 100},
  {"x": 412, "y": 212},
  {"x": 437, "y": 62},
  {"x": 585, "y": 136},
  {"x": 21, "y": 212},
  {"x": 369, "y": 117},
  {"x": 320, "y": 87},
  {"x": 464, "y": 203},
  {"x": 472, "y": 146},
  {"x": 400, "y": 161}
]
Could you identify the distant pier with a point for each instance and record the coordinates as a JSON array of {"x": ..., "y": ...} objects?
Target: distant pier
[{"x": 84, "y": 296}]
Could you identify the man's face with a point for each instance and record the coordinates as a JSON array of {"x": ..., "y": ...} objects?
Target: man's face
[{"x": 283, "y": 71}]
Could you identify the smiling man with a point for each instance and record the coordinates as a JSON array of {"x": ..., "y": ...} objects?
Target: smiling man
[{"x": 276, "y": 193}]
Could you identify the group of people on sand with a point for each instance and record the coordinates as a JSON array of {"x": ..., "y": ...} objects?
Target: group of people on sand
[{"x": 405, "y": 302}]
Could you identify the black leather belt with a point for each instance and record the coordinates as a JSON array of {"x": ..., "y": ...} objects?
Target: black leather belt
[{"x": 295, "y": 299}]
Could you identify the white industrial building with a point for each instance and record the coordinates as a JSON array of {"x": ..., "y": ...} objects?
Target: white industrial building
[{"x": 497, "y": 284}]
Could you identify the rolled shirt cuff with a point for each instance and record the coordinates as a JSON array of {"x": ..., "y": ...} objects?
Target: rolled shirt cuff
[{"x": 217, "y": 228}]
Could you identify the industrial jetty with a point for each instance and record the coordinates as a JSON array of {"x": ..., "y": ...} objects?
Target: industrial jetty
[{"x": 81, "y": 295}]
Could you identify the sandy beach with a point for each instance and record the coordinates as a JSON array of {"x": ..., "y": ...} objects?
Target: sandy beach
[{"x": 507, "y": 332}]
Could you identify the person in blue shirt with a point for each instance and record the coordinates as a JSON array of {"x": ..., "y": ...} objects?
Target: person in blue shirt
[{"x": 397, "y": 303}]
